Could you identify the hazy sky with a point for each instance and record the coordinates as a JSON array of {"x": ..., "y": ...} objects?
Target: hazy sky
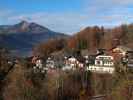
[{"x": 67, "y": 16}]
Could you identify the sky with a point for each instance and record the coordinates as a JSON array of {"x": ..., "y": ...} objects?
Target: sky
[{"x": 67, "y": 16}]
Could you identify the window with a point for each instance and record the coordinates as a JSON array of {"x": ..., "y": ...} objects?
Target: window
[{"x": 98, "y": 62}]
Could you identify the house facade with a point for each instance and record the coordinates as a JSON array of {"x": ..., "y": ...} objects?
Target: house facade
[
  {"x": 103, "y": 60},
  {"x": 72, "y": 64},
  {"x": 38, "y": 65},
  {"x": 50, "y": 63},
  {"x": 103, "y": 64}
]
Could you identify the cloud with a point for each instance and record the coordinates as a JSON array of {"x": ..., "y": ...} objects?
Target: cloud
[
  {"x": 107, "y": 3},
  {"x": 109, "y": 12}
]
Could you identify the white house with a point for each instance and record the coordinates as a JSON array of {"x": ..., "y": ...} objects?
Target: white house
[
  {"x": 38, "y": 64},
  {"x": 72, "y": 64},
  {"x": 103, "y": 60},
  {"x": 103, "y": 64},
  {"x": 50, "y": 63}
]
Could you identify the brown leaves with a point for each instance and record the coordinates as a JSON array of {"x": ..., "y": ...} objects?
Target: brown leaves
[
  {"x": 44, "y": 49},
  {"x": 89, "y": 38}
]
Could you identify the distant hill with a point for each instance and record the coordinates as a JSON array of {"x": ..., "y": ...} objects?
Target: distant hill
[
  {"x": 21, "y": 37},
  {"x": 93, "y": 38}
]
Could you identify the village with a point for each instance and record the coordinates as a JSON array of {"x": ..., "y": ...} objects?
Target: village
[
  {"x": 90, "y": 71},
  {"x": 103, "y": 61},
  {"x": 66, "y": 50}
]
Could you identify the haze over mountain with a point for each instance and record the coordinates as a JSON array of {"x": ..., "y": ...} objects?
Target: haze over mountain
[{"x": 23, "y": 36}]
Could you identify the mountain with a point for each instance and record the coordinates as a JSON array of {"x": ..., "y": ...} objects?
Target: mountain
[{"x": 21, "y": 37}]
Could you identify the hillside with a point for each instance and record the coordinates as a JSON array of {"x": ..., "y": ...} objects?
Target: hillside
[
  {"x": 92, "y": 38},
  {"x": 23, "y": 36}
]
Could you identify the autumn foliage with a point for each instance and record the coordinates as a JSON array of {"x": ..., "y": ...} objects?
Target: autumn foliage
[
  {"x": 44, "y": 49},
  {"x": 90, "y": 38}
]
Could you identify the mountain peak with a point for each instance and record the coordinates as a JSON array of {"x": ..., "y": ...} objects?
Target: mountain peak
[
  {"x": 23, "y": 24},
  {"x": 26, "y": 27}
]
